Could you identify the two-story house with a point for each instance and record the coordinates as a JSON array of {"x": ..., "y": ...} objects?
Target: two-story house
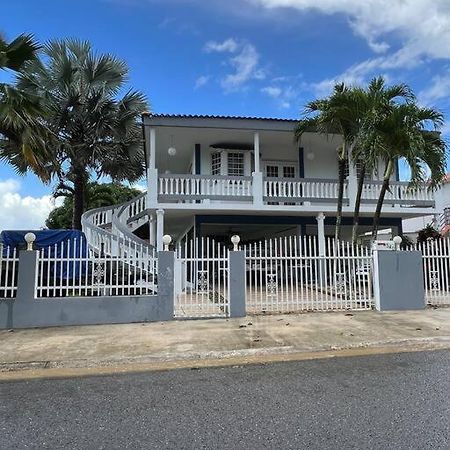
[{"x": 219, "y": 176}]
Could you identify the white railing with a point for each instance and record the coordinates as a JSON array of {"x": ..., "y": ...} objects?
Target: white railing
[
  {"x": 9, "y": 263},
  {"x": 197, "y": 187},
  {"x": 301, "y": 190},
  {"x": 201, "y": 279},
  {"x": 398, "y": 193},
  {"x": 436, "y": 269},
  {"x": 71, "y": 269},
  {"x": 288, "y": 275}
]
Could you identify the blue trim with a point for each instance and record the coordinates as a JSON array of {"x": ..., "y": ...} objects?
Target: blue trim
[
  {"x": 287, "y": 220},
  {"x": 301, "y": 162},
  {"x": 397, "y": 171},
  {"x": 197, "y": 159}
]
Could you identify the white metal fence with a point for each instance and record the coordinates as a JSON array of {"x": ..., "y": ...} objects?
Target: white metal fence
[
  {"x": 70, "y": 269},
  {"x": 201, "y": 279},
  {"x": 9, "y": 263},
  {"x": 436, "y": 269},
  {"x": 289, "y": 274}
]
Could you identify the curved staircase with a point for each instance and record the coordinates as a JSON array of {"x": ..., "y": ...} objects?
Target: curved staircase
[{"x": 109, "y": 230}]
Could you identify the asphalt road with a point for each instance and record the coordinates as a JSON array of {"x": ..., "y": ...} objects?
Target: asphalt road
[{"x": 390, "y": 401}]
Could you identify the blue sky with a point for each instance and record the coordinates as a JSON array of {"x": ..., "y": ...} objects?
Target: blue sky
[{"x": 240, "y": 57}]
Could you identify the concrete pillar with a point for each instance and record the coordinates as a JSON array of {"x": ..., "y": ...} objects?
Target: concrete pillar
[
  {"x": 398, "y": 280},
  {"x": 159, "y": 229},
  {"x": 166, "y": 280},
  {"x": 258, "y": 188},
  {"x": 152, "y": 147},
  {"x": 352, "y": 180},
  {"x": 26, "y": 277},
  {"x": 257, "y": 153},
  {"x": 321, "y": 233},
  {"x": 152, "y": 230},
  {"x": 152, "y": 188},
  {"x": 237, "y": 288}
]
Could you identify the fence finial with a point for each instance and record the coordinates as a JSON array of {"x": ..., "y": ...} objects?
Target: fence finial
[
  {"x": 167, "y": 239},
  {"x": 235, "y": 239},
  {"x": 30, "y": 238},
  {"x": 397, "y": 241}
]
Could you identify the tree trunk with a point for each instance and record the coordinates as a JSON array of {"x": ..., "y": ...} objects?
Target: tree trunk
[
  {"x": 79, "y": 185},
  {"x": 341, "y": 168},
  {"x": 358, "y": 204},
  {"x": 384, "y": 188}
]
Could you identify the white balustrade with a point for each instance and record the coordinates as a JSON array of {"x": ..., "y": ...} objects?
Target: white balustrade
[
  {"x": 191, "y": 187},
  {"x": 399, "y": 192},
  {"x": 302, "y": 189}
]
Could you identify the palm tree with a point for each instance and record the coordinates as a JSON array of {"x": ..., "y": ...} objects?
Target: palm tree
[
  {"x": 405, "y": 134},
  {"x": 22, "y": 138},
  {"x": 370, "y": 105},
  {"x": 92, "y": 129},
  {"x": 333, "y": 115}
]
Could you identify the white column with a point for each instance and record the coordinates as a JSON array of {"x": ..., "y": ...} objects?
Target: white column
[
  {"x": 321, "y": 233},
  {"x": 152, "y": 230},
  {"x": 256, "y": 149},
  {"x": 152, "y": 156},
  {"x": 159, "y": 229},
  {"x": 352, "y": 180}
]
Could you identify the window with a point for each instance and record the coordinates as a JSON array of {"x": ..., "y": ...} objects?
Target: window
[
  {"x": 235, "y": 164},
  {"x": 215, "y": 163},
  {"x": 288, "y": 171},
  {"x": 272, "y": 171}
]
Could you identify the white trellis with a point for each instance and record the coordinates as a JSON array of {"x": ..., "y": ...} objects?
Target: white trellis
[{"x": 290, "y": 274}]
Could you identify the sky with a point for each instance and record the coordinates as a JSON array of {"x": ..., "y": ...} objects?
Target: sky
[{"x": 263, "y": 58}]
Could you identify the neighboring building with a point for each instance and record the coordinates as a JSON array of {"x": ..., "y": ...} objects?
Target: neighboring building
[
  {"x": 219, "y": 176},
  {"x": 440, "y": 219}
]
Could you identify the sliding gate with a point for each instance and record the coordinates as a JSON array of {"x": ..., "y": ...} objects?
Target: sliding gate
[{"x": 290, "y": 274}]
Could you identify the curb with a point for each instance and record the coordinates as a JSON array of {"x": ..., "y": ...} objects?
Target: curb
[{"x": 15, "y": 371}]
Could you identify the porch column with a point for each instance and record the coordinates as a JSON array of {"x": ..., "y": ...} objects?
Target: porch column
[
  {"x": 159, "y": 229},
  {"x": 352, "y": 180},
  {"x": 152, "y": 230},
  {"x": 321, "y": 233},
  {"x": 257, "y": 176},
  {"x": 152, "y": 172}
]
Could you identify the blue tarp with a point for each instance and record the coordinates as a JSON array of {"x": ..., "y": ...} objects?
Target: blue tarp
[{"x": 55, "y": 244}]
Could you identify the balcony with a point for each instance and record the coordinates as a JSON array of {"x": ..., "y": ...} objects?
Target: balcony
[{"x": 283, "y": 191}]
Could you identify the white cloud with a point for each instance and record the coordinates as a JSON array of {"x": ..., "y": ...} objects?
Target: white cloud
[
  {"x": 244, "y": 61},
  {"x": 22, "y": 212},
  {"x": 422, "y": 26},
  {"x": 439, "y": 88},
  {"x": 201, "y": 81},
  {"x": 272, "y": 91},
  {"x": 228, "y": 45}
]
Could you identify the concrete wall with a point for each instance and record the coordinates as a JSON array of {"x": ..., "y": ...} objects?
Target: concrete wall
[{"x": 25, "y": 311}]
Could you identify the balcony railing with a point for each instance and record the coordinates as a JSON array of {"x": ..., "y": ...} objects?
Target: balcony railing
[
  {"x": 399, "y": 193},
  {"x": 287, "y": 191},
  {"x": 302, "y": 190},
  {"x": 187, "y": 188}
]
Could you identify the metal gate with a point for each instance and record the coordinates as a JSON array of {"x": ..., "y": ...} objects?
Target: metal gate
[
  {"x": 291, "y": 274},
  {"x": 436, "y": 270},
  {"x": 201, "y": 279}
]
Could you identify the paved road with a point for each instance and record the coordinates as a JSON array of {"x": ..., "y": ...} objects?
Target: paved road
[{"x": 392, "y": 401}]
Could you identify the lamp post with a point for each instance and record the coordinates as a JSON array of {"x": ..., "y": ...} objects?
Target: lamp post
[
  {"x": 29, "y": 239},
  {"x": 167, "y": 239},
  {"x": 235, "y": 239},
  {"x": 397, "y": 241}
]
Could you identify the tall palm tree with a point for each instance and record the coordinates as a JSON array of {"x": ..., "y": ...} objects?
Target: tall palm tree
[
  {"x": 333, "y": 115},
  {"x": 410, "y": 132},
  {"x": 92, "y": 128},
  {"x": 21, "y": 134},
  {"x": 370, "y": 106}
]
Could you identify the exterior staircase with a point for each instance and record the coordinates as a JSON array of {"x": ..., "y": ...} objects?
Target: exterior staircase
[
  {"x": 109, "y": 230},
  {"x": 442, "y": 222}
]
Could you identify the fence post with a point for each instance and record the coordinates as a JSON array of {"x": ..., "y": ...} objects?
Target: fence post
[
  {"x": 166, "y": 276},
  {"x": 26, "y": 277},
  {"x": 237, "y": 283}
]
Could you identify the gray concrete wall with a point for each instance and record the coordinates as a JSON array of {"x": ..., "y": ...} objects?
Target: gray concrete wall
[
  {"x": 26, "y": 311},
  {"x": 398, "y": 280}
]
